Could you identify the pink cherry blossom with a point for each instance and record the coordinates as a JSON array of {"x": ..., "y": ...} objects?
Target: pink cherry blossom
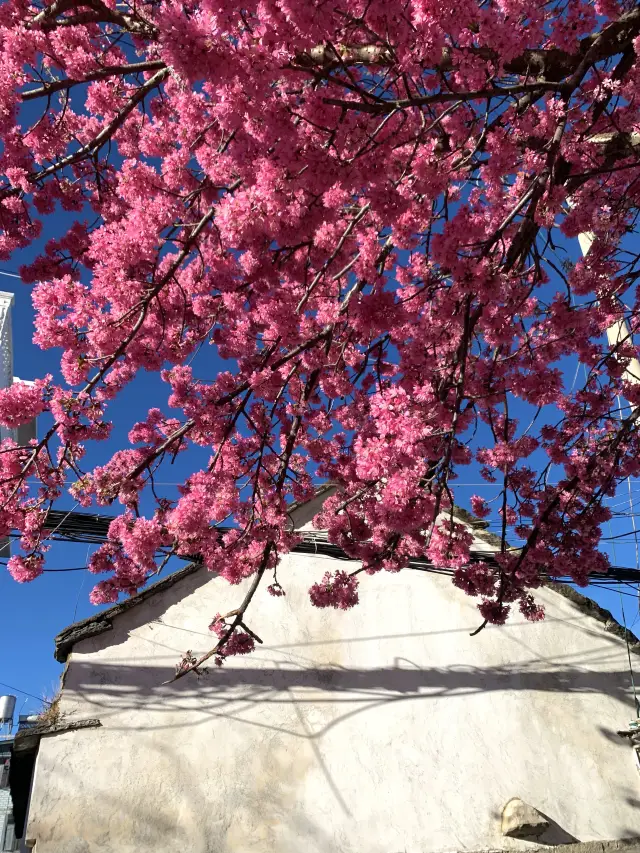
[
  {"x": 20, "y": 403},
  {"x": 24, "y": 569},
  {"x": 338, "y": 590},
  {"x": 367, "y": 216}
]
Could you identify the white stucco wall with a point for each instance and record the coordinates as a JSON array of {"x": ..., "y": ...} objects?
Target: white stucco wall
[{"x": 380, "y": 730}]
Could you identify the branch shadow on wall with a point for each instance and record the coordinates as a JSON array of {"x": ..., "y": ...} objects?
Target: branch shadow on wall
[
  {"x": 287, "y": 675},
  {"x": 116, "y": 688},
  {"x": 285, "y": 691},
  {"x": 116, "y": 693}
]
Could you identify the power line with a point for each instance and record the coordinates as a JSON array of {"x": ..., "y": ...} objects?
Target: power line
[
  {"x": 25, "y": 693},
  {"x": 70, "y": 526},
  {"x": 74, "y": 569},
  {"x": 612, "y": 589}
]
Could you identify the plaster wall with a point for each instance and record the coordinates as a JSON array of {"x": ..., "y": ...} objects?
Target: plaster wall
[{"x": 385, "y": 729}]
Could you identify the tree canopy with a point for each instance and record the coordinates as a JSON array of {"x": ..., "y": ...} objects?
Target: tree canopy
[{"x": 364, "y": 209}]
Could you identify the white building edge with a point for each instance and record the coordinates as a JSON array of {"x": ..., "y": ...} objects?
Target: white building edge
[
  {"x": 385, "y": 728},
  {"x": 25, "y": 433}
]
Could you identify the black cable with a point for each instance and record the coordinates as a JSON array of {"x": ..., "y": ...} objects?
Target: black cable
[
  {"x": 88, "y": 528},
  {"x": 24, "y": 693},
  {"x": 610, "y": 589},
  {"x": 75, "y": 569}
]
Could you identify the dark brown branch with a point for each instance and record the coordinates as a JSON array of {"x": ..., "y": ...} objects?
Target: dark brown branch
[
  {"x": 382, "y": 107},
  {"x": 330, "y": 56},
  {"x": 99, "y": 74},
  {"x": 237, "y": 621},
  {"x": 48, "y": 18},
  {"x": 553, "y": 64}
]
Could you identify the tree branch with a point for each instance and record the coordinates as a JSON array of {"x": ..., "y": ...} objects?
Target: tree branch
[{"x": 99, "y": 74}]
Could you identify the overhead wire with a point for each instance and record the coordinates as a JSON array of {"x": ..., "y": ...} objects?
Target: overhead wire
[{"x": 25, "y": 693}]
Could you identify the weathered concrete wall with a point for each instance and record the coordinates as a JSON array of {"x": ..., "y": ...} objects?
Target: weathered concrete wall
[{"x": 383, "y": 729}]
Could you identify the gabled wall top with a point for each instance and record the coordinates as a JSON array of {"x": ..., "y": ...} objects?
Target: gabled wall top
[{"x": 484, "y": 546}]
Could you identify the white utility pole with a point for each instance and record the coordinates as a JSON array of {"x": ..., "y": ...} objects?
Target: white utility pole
[
  {"x": 23, "y": 434},
  {"x": 618, "y": 333}
]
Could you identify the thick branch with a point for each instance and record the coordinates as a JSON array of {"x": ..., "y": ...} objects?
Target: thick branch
[
  {"x": 330, "y": 56},
  {"x": 48, "y": 19},
  {"x": 553, "y": 64}
]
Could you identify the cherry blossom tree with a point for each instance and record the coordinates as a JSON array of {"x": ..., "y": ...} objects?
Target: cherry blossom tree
[{"x": 361, "y": 207}]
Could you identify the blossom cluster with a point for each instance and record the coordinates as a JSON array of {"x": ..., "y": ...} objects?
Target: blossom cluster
[
  {"x": 232, "y": 640},
  {"x": 339, "y": 590}
]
